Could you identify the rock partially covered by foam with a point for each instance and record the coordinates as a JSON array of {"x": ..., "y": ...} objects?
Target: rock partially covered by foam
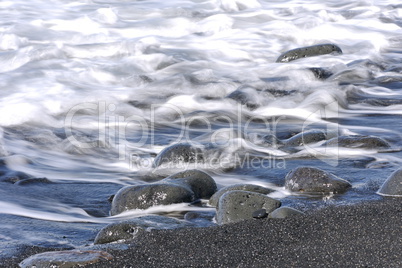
[
  {"x": 309, "y": 51},
  {"x": 147, "y": 195},
  {"x": 66, "y": 258},
  {"x": 235, "y": 206},
  {"x": 359, "y": 141},
  {"x": 393, "y": 185},
  {"x": 213, "y": 201},
  {"x": 185, "y": 186},
  {"x": 179, "y": 153},
  {"x": 306, "y": 137},
  {"x": 314, "y": 181},
  {"x": 130, "y": 229}
]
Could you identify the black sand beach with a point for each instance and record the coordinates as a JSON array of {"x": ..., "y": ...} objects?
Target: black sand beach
[{"x": 364, "y": 235}]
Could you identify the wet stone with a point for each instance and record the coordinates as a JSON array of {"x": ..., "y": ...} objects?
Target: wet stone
[
  {"x": 235, "y": 206},
  {"x": 202, "y": 185},
  {"x": 359, "y": 141},
  {"x": 245, "y": 97},
  {"x": 285, "y": 212},
  {"x": 32, "y": 181},
  {"x": 393, "y": 185},
  {"x": 321, "y": 73},
  {"x": 213, "y": 201},
  {"x": 200, "y": 218},
  {"x": 306, "y": 137},
  {"x": 314, "y": 181},
  {"x": 65, "y": 259},
  {"x": 147, "y": 195},
  {"x": 309, "y": 51},
  {"x": 128, "y": 230},
  {"x": 14, "y": 176},
  {"x": 260, "y": 214},
  {"x": 179, "y": 153}
]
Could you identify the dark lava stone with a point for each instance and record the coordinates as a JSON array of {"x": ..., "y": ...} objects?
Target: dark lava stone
[
  {"x": 310, "y": 51},
  {"x": 148, "y": 195},
  {"x": 235, "y": 206},
  {"x": 314, "y": 181},
  {"x": 358, "y": 141},
  {"x": 177, "y": 153},
  {"x": 198, "y": 181},
  {"x": 213, "y": 201}
]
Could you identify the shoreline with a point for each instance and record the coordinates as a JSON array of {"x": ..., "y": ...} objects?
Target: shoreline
[{"x": 368, "y": 234}]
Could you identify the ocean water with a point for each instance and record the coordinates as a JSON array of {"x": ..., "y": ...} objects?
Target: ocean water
[{"x": 92, "y": 91}]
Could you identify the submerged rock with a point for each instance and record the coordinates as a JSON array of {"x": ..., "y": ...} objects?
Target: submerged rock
[
  {"x": 213, "y": 201},
  {"x": 285, "y": 212},
  {"x": 310, "y": 51},
  {"x": 65, "y": 259},
  {"x": 306, "y": 137},
  {"x": 393, "y": 185},
  {"x": 202, "y": 185},
  {"x": 236, "y": 206},
  {"x": 179, "y": 153},
  {"x": 130, "y": 229},
  {"x": 148, "y": 195},
  {"x": 200, "y": 218},
  {"x": 359, "y": 141},
  {"x": 321, "y": 73},
  {"x": 246, "y": 97},
  {"x": 314, "y": 181}
]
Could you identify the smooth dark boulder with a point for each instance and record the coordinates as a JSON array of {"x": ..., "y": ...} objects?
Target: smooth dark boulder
[
  {"x": 147, "y": 195},
  {"x": 359, "y": 141},
  {"x": 202, "y": 185},
  {"x": 285, "y": 212},
  {"x": 235, "y": 206},
  {"x": 65, "y": 259},
  {"x": 393, "y": 185},
  {"x": 314, "y": 181},
  {"x": 309, "y": 51},
  {"x": 130, "y": 229},
  {"x": 176, "y": 154},
  {"x": 213, "y": 201}
]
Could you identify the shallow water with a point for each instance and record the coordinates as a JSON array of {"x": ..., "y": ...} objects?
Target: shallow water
[{"x": 91, "y": 91}]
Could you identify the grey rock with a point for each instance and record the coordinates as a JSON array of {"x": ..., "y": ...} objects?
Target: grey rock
[
  {"x": 130, "y": 229},
  {"x": 314, "y": 181},
  {"x": 65, "y": 259},
  {"x": 285, "y": 212},
  {"x": 309, "y": 51},
  {"x": 235, "y": 206},
  {"x": 393, "y": 185},
  {"x": 213, "y": 201},
  {"x": 306, "y": 137},
  {"x": 359, "y": 141},
  {"x": 179, "y": 153},
  {"x": 148, "y": 195},
  {"x": 202, "y": 185}
]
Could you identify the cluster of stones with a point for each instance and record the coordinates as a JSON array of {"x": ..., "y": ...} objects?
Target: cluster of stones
[{"x": 233, "y": 203}]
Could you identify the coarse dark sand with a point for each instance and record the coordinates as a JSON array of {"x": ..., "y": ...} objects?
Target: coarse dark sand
[{"x": 364, "y": 235}]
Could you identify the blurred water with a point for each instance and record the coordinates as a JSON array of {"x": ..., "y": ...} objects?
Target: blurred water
[{"x": 91, "y": 91}]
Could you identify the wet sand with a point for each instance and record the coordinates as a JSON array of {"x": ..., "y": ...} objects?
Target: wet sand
[{"x": 364, "y": 235}]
